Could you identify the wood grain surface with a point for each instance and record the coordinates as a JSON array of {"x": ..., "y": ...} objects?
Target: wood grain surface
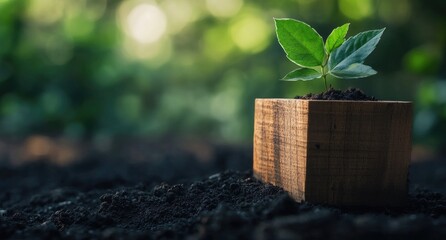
[{"x": 334, "y": 152}]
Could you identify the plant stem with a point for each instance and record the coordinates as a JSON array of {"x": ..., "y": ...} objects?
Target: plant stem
[
  {"x": 325, "y": 81},
  {"x": 324, "y": 73}
]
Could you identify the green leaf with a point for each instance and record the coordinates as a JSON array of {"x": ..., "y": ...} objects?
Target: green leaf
[
  {"x": 302, "y": 44},
  {"x": 336, "y": 37},
  {"x": 354, "y": 50},
  {"x": 302, "y": 74},
  {"x": 355, "y": 70}
]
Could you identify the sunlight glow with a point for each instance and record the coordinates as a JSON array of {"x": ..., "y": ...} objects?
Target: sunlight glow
[
  {"x": 251, "y": 33},
  {"x": 217, "y": 43},
  {"x": 37, "y": 11},
  {"x": 179, "y": 14},
  {"x": 356, "y": 9},
  {"x": 226, "y": 8},
  {"x": 155, "y": 54},
  {"x": 94, "y": 10},
  {"x": 146, "y": 23},
  {"x": 78, "y": 27}
]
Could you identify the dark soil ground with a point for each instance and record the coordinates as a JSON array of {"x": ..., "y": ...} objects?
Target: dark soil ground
[
  {"x": 175, "y": 195},
  {"x": 351, "y": 94}
]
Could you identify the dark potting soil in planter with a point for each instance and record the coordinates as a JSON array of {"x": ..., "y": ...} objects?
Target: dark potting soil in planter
[
  {"x": 104, "y": 199},
  {"x": 352, "y": 94}
]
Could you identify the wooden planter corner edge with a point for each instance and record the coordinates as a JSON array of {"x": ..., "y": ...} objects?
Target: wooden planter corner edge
[{"x": 335, "y": 152}]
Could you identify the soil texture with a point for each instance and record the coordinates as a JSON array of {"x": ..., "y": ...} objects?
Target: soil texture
[
  {"x": 177, "y": 197},
  {"x": 351, "y": 94}
]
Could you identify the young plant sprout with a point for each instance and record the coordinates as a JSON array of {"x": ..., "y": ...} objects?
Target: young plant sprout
[{"x": 338, "y": 57}]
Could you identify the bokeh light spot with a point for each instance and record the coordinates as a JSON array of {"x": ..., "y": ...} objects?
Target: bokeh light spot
[
  {"x": 424, "y": 121},
  {"x": 179, "y": 14},
  {"x": 251, "y": 33},
  {"x": 394, "y": 11},
  {"x": 95, "y": 9},
  {"x": 37, "y": 11},
  {"x": 78, "y": 27},
  {"x": 228, "y": 110},
  {"x": 226, "y": 8},
  {"x": 423, "y": 59},
  {"x": 53, "y": 102},
  {"x": 146, "y": 23},
  {"x": 218, "y": 43},
  {"x": 426, "y": 94},
  {"x": 160, "y": 52},
  {"x": 58, "y": 51},
  {"x": 356, "y": 9}
]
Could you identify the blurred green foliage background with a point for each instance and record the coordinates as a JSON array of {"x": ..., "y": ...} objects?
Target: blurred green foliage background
[{"x": 106, "y": 68}]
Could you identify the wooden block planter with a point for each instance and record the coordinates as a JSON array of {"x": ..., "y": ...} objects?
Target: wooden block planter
[{"x": 351, "y": 153}]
